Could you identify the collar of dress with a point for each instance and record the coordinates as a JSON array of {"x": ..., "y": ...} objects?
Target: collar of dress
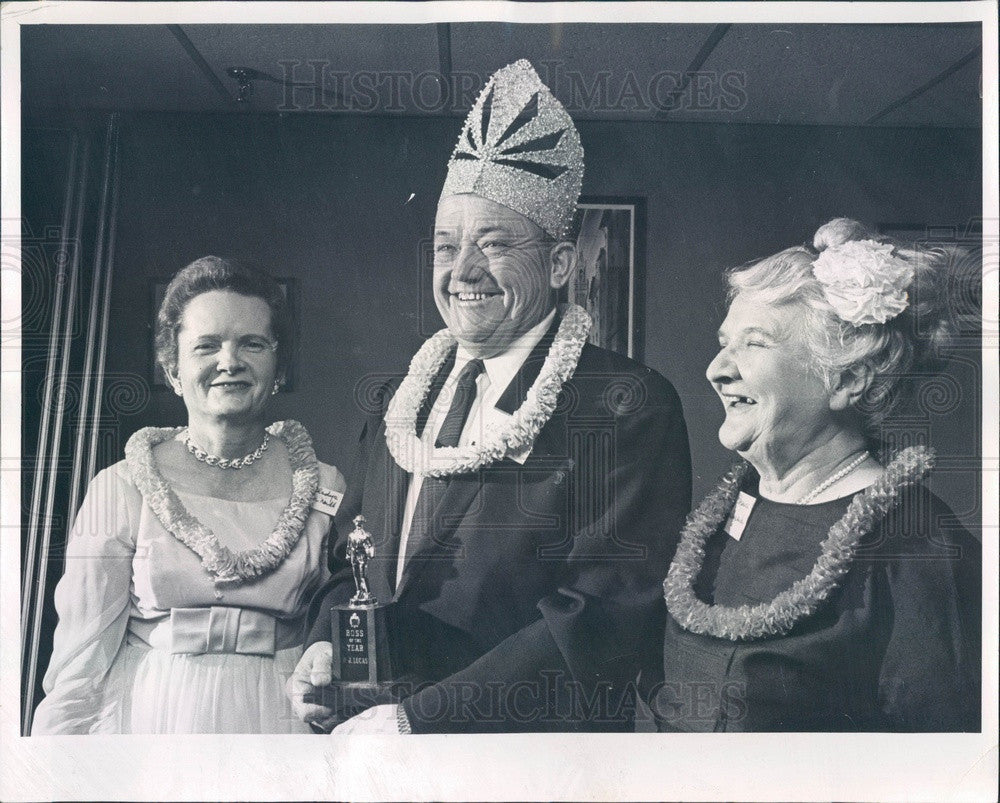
[
  {"x": 514, "y": 435},
  {"x": 776, "y": 618},
  {"x": 226, "y": 566}
]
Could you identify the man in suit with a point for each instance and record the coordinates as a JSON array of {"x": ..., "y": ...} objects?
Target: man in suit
[{"x": 525, "y": 489}]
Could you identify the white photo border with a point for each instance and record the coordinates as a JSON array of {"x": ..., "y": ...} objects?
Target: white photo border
[{"x": 582, "y": 767}]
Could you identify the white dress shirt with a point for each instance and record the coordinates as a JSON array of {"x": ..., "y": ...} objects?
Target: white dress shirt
[{"x": 490, "y": 385}]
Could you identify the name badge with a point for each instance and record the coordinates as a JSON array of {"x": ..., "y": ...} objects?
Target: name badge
[
  {"x": 737, "y": 521},
  {"x": 520, "y": 457},
  {"x": 327, "y": 501}
]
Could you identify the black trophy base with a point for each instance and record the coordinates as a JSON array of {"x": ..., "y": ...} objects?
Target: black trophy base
[
  {"x": 361, "y": 650},
  {"x": 363, "y": 662}
]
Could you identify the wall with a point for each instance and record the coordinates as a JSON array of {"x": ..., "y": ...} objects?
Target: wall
[{"x": 343, "y": 205}]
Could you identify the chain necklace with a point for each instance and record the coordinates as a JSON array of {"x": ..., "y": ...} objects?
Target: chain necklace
[
  {"x": 831, "y": 480},
  {"x": 222, "y": 462}
]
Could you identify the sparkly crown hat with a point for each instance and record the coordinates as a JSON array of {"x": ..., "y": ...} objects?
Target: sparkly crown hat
[{"x": 519, "y": 147}]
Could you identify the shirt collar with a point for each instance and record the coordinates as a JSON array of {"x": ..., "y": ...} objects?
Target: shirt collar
[{"x": 502, "y": 368}]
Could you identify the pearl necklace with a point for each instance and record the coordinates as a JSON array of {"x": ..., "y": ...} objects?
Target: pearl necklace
[
  {"x": 831, "y": 480},
  {"x": 222, "y": 462}
]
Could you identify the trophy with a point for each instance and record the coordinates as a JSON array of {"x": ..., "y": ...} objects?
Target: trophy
[{"x": 362, "y": 660}]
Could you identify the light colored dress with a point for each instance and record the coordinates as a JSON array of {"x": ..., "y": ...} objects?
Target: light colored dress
[{"x": 144, "y": 642}]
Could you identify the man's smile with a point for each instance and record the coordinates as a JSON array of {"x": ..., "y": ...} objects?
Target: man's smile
[{"x": 477, "y": 295}]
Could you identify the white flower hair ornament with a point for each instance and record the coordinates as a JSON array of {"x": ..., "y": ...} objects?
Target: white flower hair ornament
[{"x": 864, "y": 281}]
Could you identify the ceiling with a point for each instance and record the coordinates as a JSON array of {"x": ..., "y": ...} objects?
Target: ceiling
[{"x": 803, "y": 74}]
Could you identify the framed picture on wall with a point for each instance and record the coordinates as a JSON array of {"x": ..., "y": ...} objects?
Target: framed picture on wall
[
  {"x": 158, "y": 289},
  {"x": 610, "y": 276}
]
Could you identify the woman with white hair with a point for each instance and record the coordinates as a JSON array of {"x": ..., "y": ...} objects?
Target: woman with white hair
[{"x": 822, "y": 586}]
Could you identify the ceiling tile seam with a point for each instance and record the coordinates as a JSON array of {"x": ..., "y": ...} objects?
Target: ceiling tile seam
[
  {"x": 201, "y": 63},
  {"x": 958, "y": 65},
  {"x": 712, "y": 42}
]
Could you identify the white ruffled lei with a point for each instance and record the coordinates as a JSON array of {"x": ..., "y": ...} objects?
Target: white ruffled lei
[
  {"x": 516, "y": 434},
  {"x": 864, "y": 281},
  {"x": 802, "y": 598},
  {"x": 222, "y": 563}
]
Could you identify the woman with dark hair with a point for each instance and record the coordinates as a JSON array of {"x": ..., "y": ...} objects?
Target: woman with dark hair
[
  {"x": 191, "y": 563},
  {"x": 822, "y": 586}
]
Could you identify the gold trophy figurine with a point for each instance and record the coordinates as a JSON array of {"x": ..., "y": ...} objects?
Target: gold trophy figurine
[{"x": 360, "y": 548}]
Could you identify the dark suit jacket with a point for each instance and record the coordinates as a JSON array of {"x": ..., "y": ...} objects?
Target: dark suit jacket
[{"x": 539, "y": 590}]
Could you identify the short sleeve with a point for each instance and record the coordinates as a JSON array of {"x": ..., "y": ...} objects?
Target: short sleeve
[{"x": 92, "y": 600}]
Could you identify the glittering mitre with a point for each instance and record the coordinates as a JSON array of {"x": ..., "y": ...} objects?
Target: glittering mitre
[{"x": 519, "y": 147}]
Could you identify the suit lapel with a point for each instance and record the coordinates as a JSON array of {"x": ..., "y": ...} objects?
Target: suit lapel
[
  {"x": 513, "y": 395},
  {"x": 549, "y": 441},
  {"x": 385, "y": 496},
  {"x": 435, "y": 389},
  {"x": 436, "y": 538},
  {"x": 396, "y": 483},
  {"x": 388, "y": 490}
]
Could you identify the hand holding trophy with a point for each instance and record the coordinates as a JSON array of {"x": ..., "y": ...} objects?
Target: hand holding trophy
[{"x": 361, "y": 671}]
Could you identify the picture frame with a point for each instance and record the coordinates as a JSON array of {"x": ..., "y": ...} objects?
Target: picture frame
[
  {"x": 609, "y": 281},
  {"x": 158, "y": 288}
]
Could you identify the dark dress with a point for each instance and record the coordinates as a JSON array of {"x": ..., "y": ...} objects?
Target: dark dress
[{"x": 895, "y": 648}]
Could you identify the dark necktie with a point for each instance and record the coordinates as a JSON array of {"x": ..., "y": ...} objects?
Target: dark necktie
[
  {"x": 432, "y": 488},
  {"x": 465, "y": 393}
]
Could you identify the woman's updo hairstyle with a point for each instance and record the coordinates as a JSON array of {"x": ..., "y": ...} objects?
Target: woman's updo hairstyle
[
  {"x": 892, "y": 353},
  {"x": 219, "y": 273}
]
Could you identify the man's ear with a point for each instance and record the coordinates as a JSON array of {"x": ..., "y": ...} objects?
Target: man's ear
[
  {"x": 851, "y": 386},
  {"x": 562, "y": 263}
]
